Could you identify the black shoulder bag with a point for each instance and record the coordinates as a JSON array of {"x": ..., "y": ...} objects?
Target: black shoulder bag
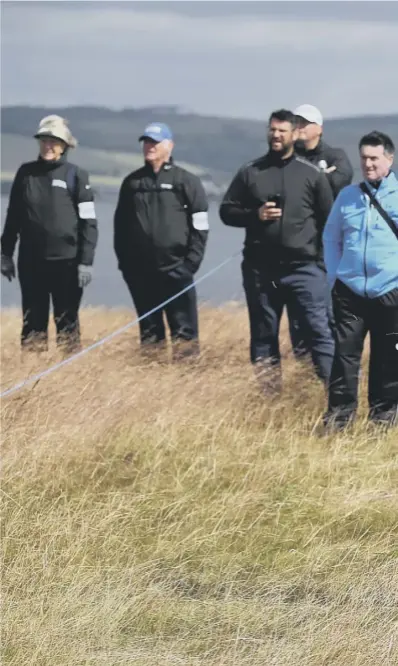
[{"x": 379, "y": 209}]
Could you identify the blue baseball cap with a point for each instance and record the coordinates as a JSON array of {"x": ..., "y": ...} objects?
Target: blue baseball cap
[{"x": 157, "y": 132}]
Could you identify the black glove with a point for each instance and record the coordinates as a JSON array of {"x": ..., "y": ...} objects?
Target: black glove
[
  {"x": 84, "y": 275},
  {"x": 7, "y": 267}
]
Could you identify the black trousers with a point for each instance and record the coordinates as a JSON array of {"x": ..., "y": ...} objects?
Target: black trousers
[
  {"x": 303, "y": 286},
  {"x": 42, "y": 282},
  {"x": 354, "y": 318},
  {"x": 148, "y": 290}
]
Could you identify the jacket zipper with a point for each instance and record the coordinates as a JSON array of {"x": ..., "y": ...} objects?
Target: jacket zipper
[
  {"x": 153, "y": 223},
  {"x": 282, "y": 192}
]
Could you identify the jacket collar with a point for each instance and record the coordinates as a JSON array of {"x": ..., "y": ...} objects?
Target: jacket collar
[
  {"x": 319, "y": 148},
  {"x": 166, "y": 166},
  {"x": 49, "y": 165},
  {"x": 387, "y": 184},
  {"x": 274, "y": 159}
]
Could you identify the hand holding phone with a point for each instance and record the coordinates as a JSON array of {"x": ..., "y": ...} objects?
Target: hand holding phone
[{"x": 272, "y": 209}]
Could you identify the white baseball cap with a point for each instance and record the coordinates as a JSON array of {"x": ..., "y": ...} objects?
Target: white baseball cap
[{"x": 310, "y": 113}]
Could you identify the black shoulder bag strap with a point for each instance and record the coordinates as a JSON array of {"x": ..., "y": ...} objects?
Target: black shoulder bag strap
[{"x": 379, "y": 209}]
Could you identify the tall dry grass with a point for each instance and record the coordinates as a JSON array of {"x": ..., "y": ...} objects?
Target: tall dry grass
[{"x": 159, "y": 514}]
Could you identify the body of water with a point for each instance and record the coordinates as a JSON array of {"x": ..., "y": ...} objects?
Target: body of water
[{"x": 108, "y": 288}]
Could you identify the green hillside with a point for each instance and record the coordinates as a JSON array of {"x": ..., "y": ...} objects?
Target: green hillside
[
  {"x": 214, "y": 147},
  {"x": 16, "y": 149}
]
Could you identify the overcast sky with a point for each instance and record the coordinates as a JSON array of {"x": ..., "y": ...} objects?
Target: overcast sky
[{"x": 239, "y": 59}]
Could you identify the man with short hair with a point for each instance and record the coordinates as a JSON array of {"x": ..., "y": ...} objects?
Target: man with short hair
[
  {"x": 311, "y": 145},
  {"x": 361, "y": 255},
  {"x": 160, "y": 234},
  {"x": 283, "y": 202},
  {"x": 339, "y": 172}
]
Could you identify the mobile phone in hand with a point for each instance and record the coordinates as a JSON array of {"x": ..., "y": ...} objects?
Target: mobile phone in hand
[{"x": 276, "y": 199}]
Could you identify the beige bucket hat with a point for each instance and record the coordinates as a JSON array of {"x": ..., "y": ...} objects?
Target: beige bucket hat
[{"x": 56, "y": 127}]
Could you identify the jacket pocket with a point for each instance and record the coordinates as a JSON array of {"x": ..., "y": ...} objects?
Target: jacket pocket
[
  {"x": 353, "y": 228},
  {"x": 180, "y": 272},
  {"x": 69, "y": 239},
  {"x": 388, "y": 300}
]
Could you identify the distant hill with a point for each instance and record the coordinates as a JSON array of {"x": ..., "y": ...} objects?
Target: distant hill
[
  {"x": 213, "y": 146},
  {"x": 16, "y": 149}
]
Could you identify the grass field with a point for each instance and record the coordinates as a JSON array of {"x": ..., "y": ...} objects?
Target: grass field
[{"x": 161, "y": 514}]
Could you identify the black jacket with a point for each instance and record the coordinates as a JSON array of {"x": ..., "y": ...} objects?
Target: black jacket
[
  {"x": 51, "y": 211},
  {"x": 161, "y": 220},
  {"x": 333, "y": 157},
  {"x": 307, "y": 200}
]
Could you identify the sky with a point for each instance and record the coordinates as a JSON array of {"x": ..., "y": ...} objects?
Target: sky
[{"x": 238, "y": 59}]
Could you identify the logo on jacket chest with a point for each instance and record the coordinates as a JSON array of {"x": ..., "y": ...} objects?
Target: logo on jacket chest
[
  {"x": 59, "y": 183},
  {"x": 148, "y": 187}
]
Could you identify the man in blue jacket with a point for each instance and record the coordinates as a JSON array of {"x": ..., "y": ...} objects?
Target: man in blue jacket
[{"x": 361, "y": 255}]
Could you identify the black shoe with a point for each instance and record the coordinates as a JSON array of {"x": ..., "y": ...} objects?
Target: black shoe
[
  {"x": 387, "y": 419},
  {"x": 337, "y": 421}
]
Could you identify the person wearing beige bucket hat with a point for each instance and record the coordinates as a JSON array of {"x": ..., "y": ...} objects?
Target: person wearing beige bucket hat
[
  {"x": 51, "y": 213},
  {"x": 56, "y": 128}
]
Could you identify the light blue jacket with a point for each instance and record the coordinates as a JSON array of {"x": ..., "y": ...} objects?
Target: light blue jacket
[{"x": 360, "y": 248}]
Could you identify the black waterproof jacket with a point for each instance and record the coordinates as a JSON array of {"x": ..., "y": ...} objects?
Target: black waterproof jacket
[
  {"x": 161, "y": 220},
  {"x": 51, "y": 211},
  {"x": 306, "y": 202},
  {"x": 324, "y": 155}
]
